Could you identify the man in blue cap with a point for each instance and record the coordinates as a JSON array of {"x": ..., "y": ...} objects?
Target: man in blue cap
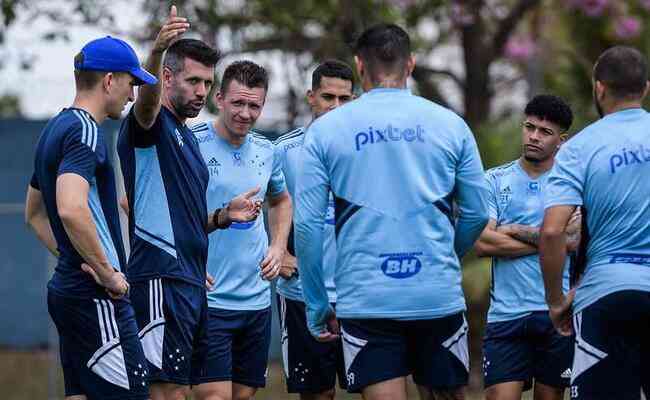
[{"x": 72, "y": 208}]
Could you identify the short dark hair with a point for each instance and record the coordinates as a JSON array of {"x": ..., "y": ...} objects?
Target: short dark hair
[
  {"x": 550, "y": 108},
  {"x": 331, "y": 69},
  {"x": 624, "y": 70},
  {"x": 85, "y": 79},
  {"x": 247, "y": 73},
  {"x": 193, "y": 49},
  {"x": 383, "y": 48}
]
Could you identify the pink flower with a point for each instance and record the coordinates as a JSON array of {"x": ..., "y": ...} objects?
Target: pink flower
[
  {"x": 460, "y": 16},
  {"x": 627, "y": 27},
  {"x": 520, "y": 49},
  {"x": 593, "y": 8}
]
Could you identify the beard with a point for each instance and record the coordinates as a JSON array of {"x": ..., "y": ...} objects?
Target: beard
[{"x": 183, "y": 107}]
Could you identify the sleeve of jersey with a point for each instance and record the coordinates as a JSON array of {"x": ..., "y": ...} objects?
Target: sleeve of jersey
[
  {"x": 34, "y": 182},
  {"x": 78, "y": 155},
  {"x": 277, "y": 184},
  {"x": 137, "y": 136},
  {"x": 566, "y": 180},
  {"x": 310, "y": 211},
  {"x": 471, "y": 196},
  {"x": 493, "y": 211}
]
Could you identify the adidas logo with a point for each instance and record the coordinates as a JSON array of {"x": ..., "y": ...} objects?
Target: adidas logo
[
  {"x": 507, "y": 190},
  {"x": 566, "y": 374},
  {"x": 213, "y": 163}
]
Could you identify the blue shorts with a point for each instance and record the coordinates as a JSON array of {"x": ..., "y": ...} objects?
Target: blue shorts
[
  {"x": 526, "y": 349},
  {"x": 612, "y": 349},
  {"x": 434, "y": 351},
  {"x": 101, "y": 355},
  {"x": 237, "y": 347},
  {"x": 309, "y": 366},
  {"x": 172, "y": 317}
]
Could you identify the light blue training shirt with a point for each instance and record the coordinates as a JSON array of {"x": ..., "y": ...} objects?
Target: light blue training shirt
[
  {"x": 605, "y": 169},
  {"x": 290, "y": 148},
  {"x": 517, "y": 285},
  {"x": 397, "y": 166},
  {"x": 234, "y": 254}
]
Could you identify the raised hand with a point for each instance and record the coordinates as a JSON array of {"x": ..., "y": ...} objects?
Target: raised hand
[
  {"x": 244, "y": 207},
  {"x": 173, "y": 28}
]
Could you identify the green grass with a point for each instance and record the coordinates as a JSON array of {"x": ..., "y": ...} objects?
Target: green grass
[{"x": 24, "y": 375}]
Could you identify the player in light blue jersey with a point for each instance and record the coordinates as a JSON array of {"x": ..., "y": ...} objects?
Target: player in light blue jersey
[
  {"x": 520, "y": 343},
  {"x": 395, "y": 163},
  {"x": 310, "y": 366},
  {"x": 604, "y": 169},
  {"x": 240, "y": 258}
]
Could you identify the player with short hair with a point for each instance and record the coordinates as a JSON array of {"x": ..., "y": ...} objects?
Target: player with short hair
[
  {"x": 166, "y": 181},
  {"x": 311, "y": 367},
  {"x": 604, "y": 169},
  {"x": 395, "y": 164},
  {"x": 520, "y": 344},
  {"x": 72, "y": 208},
  {"x": 240, "y": 258}
]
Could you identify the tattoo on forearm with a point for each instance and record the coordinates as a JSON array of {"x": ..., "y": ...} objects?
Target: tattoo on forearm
[{"x": 527, "y": 235}]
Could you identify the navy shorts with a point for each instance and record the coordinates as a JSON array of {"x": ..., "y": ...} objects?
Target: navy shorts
[
  {"x": 526, "y": 349},
  {"x": 309, "y": 366},
  {"x": 612, "y": 348},
  {"x": 434, "y": 351},
  {"x": 101, "y": 355},
  {"x": 237, "y": 347},
  {"x": 172, "y": 317}
]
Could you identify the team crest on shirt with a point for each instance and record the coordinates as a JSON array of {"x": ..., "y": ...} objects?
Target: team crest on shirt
[
  {"x": 504, "y": 195},
  {"x": 179, "y": 137},
  {"x": 236, "y": 159},
  {"x": 213, "y": 166}
]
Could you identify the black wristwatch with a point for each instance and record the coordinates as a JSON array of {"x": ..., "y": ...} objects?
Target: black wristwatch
[{"x": 215, "y": 219}]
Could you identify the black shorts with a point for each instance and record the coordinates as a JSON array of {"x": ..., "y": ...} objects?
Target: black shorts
[
  {"x": 612, "y": 348},
  {"x": 309, "y": 365},
  {"x": 101, "y": 355},
  {"x": 236, "y": 347},
  {"x": 527, "y": 349},
  {"x": 434, "y": 351},
  {"x": 172, "y": 317}
]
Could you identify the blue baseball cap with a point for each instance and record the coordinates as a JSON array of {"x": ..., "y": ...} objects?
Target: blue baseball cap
[{"x": 113, "y": 55}]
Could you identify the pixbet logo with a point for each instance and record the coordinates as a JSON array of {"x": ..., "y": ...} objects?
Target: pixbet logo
[
  {"x": 628, "y": 157},
  {"x": 401, "y": 265},
  {"x": 389, "y": 134}
]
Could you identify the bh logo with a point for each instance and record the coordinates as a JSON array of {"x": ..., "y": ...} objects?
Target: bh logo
[{"x": 401, "y": 265}]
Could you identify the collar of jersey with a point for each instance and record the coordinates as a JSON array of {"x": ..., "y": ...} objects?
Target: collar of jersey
[
  {"x": 381, "y": 90},
  {"x": 626, "y": 113},
  {"x": 83, "y": 111}
]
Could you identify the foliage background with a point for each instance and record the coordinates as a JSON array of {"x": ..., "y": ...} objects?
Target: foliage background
[{"x": 482, "y": 58}]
